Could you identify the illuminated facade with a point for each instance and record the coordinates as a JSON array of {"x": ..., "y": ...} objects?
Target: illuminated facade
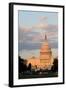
[{"x": 45, "y": 54}]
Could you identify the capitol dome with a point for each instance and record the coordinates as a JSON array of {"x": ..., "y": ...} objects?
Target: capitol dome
[{"x": 45, "y": 54}]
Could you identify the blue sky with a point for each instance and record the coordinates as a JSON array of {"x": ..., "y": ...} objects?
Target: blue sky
[
  {"x": 33, "y": 17},
  {"x": 33, "y": 25}
]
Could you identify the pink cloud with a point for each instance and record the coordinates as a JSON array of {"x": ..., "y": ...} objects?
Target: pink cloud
[
  {"x": 38, "y": 37},
  {"x": 45, "y": 26},
  {"x": 43, "y": 18},
  {"x": 51, "y": 33},
  {"x": 51, "y": 27},
  {"x": 41, "y": 26},
  {"x": 41, "y": 37},
  {"x": 25, "y": 29}
]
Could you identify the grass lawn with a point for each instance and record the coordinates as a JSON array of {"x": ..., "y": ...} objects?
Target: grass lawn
[{"x": 36, "y": 75}]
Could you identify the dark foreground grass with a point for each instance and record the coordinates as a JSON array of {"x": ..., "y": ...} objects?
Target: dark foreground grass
[{"x": 43, "y": 75}]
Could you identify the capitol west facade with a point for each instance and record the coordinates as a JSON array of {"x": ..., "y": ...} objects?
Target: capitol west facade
[{"x": 45, "y": 59}]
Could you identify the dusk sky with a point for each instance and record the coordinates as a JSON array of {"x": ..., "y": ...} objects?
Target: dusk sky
[{"x": 33, "y": 25}]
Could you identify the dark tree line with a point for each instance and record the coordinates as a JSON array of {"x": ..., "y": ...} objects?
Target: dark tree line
[{"x": 23, "y": 65}]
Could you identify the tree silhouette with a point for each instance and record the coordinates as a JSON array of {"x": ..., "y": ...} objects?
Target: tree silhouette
[
  {"x": 55, "y": 65},
  {"x": 29, "y": 67},
  {"x": 22, "y": 64}
]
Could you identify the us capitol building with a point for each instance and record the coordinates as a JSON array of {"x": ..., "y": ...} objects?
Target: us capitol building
[{"x": 45, "y": 59}]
